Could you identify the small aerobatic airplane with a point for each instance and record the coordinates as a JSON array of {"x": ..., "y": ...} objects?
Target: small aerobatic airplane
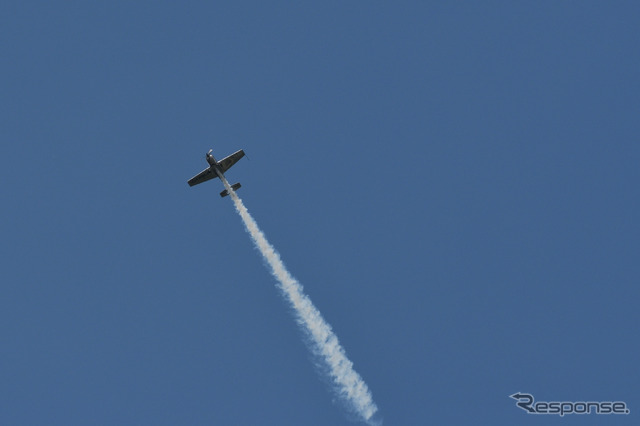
[{"x": 217, "y": 169}]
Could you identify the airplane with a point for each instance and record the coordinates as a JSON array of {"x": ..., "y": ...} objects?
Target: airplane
[{"x": 217, "y": 169}]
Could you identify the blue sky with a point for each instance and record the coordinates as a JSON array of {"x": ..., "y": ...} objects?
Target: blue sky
[{"x": 454, "y": 184}]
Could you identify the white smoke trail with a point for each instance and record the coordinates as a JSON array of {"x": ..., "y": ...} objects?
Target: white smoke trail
[{"x": 349, "y": 385}]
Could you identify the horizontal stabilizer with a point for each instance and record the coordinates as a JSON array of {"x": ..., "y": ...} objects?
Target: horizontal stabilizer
[{"x": 235, "y": 187}]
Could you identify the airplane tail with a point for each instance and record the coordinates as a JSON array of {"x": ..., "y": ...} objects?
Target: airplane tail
[{"x": 235, "y": 187}]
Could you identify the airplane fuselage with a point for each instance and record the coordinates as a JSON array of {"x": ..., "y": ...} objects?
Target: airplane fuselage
[
  {"x": 211, "y": 159},
  {"x": 213, "y": 165}
]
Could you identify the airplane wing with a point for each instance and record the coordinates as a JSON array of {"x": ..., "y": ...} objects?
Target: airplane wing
[
  {"x": 226, "y": 163},
  {"x": 203, "y": 176}
]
